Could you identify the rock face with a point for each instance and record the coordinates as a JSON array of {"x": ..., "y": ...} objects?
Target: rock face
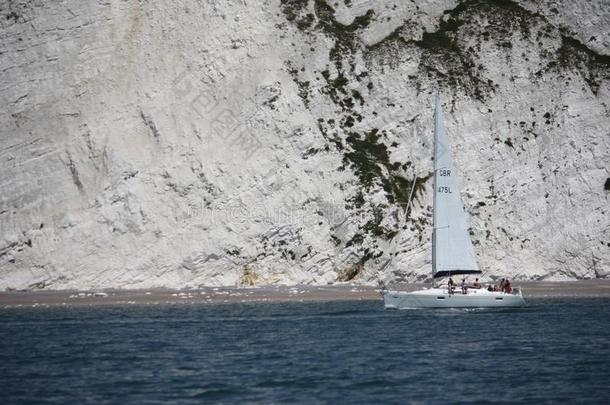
[{"x": 189, "y": 143}]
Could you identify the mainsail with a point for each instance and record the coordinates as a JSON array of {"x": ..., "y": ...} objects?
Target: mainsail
[{"x": 452, "y": 251}]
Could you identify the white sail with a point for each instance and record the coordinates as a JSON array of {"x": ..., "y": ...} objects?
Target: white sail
[{"x": 451, "y": 245}]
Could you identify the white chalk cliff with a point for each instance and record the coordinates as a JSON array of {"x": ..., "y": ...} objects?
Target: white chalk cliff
[{"x": 203, "y": 142}]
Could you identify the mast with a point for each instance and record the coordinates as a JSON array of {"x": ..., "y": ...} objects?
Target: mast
[{"x": 436, "y": 111}]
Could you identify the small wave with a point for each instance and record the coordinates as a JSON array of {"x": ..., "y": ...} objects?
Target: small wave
[{"x": 216, "y": 392}]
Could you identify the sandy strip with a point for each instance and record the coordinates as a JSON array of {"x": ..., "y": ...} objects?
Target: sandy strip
[{"x": 12, "y": 299}]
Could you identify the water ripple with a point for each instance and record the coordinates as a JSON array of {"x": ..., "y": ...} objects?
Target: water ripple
[{"x": 341, "y": 352}]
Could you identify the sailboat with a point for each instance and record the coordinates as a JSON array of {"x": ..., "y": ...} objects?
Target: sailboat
[{"x": 452, "y": 251}]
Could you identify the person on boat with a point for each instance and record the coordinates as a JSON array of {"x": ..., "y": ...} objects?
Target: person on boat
[
  {"x": 502, "y": 285},
  {"x": 464, "y": 286},
  {"x": 490, "y": 288},
  {"x": 451, "y": 285},
  {"x": 477, "y": 284},
  {"x": 507, "y": 288}
]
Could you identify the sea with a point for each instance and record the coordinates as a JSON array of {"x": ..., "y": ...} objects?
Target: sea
[{"x": 349, "y": 352}]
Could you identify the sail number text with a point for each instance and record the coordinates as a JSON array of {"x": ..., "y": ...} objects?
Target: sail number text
[
  {"x": 444, "y": 173},
  {"x": 444, "y": 189}
]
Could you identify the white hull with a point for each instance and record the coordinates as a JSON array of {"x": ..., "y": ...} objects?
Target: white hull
[{"x": 440, "y": 298}]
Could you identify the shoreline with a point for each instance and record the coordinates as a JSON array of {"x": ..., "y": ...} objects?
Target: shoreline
[{"x": 299, "y": 293}]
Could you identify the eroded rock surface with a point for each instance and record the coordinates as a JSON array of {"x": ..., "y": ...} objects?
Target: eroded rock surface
[{"x": 190, "y": 143}]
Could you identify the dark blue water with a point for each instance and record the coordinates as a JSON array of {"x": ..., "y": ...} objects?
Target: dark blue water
[{"x": 341, "y": 352}]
